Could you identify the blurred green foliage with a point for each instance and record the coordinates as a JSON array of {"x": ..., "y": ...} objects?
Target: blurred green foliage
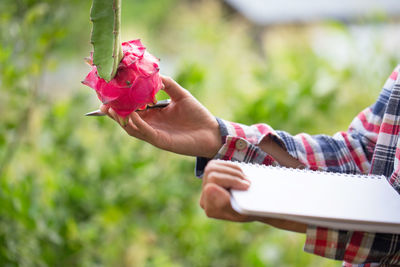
[{"x": 77, "y": 191}]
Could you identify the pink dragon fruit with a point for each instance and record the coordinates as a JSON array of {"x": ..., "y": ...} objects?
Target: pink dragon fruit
[{"x": 135, "y": 84}]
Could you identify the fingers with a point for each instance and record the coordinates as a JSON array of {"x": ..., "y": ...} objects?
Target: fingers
[
  {"x": 112, "y": 114},
  {"x": 227, "y": 181},
  {"x": 226, "y": 175},
  {"x": 134, "y": 125},
  {"x": 146, "y": 131},
  {"x": 215, "y": 201},
  {"x": 104, "y": 108},
  {"x": 123, "y": 121},
  {"x": 225, "y": 166},
  {"x": 173, "y": 89},
  {"x": 219, "y": 176}
]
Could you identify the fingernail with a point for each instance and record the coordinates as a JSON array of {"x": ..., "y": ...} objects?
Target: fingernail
[{"x": 246, "y": 182}]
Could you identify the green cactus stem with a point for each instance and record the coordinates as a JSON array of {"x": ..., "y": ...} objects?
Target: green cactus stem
[{"x": 106, "y": 36}]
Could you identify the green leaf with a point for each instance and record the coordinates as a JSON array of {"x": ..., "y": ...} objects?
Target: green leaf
[{"x": 106, "y": 36}]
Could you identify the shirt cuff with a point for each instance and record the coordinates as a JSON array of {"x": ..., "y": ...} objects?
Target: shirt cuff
[
  {"x": 240, "y": 143},
  {"x": 326, "y": 242}
]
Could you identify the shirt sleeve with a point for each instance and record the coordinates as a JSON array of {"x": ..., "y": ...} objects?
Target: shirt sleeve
[
  {"x": 240, "y": 144},
  {"x": 345, "y": 152},
  {"x": 348, "y": 151},
  {"x": 352, "y": 246}
]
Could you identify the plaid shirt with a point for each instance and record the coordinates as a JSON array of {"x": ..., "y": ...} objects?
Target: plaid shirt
[{"x": 370, "y": 145}]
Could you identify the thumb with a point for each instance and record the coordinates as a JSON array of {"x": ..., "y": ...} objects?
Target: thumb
[{"x": 173, "y": 89}]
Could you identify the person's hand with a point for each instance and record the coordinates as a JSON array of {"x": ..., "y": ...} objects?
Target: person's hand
[
  {"x": 219, "y": 177},
  {"x": 184, "y": 126}
]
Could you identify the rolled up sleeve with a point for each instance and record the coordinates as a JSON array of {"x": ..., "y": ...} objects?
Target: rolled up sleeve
[{"x": 240, "y": 143}]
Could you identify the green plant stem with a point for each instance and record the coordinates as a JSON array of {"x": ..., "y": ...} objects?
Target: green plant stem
[{"x": 106, "y": 36}]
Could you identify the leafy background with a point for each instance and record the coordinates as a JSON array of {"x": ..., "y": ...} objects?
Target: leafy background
[{"x": 77, "y": 191}]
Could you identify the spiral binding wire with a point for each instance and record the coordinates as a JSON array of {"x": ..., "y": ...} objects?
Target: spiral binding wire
[{"x": 365, "y": 176}]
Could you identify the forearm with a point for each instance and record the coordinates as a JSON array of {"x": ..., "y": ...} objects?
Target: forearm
[
  {"x": 211, "y": 149},
  {"x": 279, "y": 154},
  {"x": 284, "y": 224}
]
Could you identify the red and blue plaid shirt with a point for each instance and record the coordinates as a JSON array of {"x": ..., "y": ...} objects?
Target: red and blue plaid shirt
[{"x": 371, "y": 145}]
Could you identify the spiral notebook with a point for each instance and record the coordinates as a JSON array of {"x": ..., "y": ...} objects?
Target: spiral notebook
[{"x": 326, "y": 199}]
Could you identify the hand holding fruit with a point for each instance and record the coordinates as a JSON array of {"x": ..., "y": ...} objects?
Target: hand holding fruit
[{"x": 184, "y": 126}]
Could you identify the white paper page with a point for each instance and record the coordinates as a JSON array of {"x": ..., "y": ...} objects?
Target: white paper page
[{"x": 277, "y": 192}]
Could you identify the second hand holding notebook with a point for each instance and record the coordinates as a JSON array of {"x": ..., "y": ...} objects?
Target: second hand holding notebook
[{"x": 327, "y": 199}]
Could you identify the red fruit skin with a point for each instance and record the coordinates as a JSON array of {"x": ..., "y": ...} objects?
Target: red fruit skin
[{"x": 135, "y": 84}]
